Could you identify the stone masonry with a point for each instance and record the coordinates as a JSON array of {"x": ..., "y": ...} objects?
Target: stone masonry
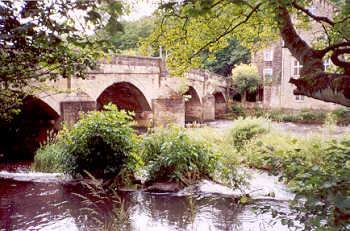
[{"x": 141, "y": 85}]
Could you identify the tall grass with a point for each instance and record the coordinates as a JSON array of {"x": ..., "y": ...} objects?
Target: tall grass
[{"x": 50, "y": 158}]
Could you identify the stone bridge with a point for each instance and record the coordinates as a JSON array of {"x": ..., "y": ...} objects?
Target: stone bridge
[{"x": 139, "y": 84}]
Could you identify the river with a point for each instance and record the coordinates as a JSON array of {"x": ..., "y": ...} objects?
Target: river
[{"x": 42, "y": 201}]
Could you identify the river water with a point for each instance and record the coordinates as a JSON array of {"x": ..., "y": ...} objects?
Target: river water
[{"x": 42, "y": 201}]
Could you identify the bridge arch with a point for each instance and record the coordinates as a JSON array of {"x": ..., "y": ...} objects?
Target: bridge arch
[
  {"x": 220, "y": 104},
  {"x": 193, "y": 106},
  {"x": 127, "y": 97},
  {"x": 32, "y": 127}
]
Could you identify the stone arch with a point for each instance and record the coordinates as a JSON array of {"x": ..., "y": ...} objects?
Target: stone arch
[
  {"x": 127, "y": 97},
  {"x": 99, "y": 82},
  {"x": 193, "y": 106},
  {"x": 220, "y": 104},
  {"x": 51, "y": 99},
  {"x": 31, "y": 128}
]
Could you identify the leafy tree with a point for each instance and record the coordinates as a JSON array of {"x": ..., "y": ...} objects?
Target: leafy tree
[
  {"x": 45, "y": 40},
  {"x": 134, "y": 32},
  {"x": 225, "y": 59},
  {"x": 246, "y": 79},
  {"x": 187, "y": 28}
]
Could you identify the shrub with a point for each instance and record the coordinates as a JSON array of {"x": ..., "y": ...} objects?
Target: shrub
[
  {"x": 321, "y": 184},
  {"x": 341, "y": 112},
  {"x": 238, "y": 110},
  {"x": 312, "y": 116},
  {"x": 170, "y": 155},
  {"x": 228, "y": 157},
  {"x": 100, "y": 142},
  {"x": 316, "y": 169},
  {"x": 50, "y": 158},
  {"x": 342, "y": 115},
  {"x": 244, "y": 129}
]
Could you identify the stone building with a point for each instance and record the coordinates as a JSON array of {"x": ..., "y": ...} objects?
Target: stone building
[{"x": 276, "y": 66}]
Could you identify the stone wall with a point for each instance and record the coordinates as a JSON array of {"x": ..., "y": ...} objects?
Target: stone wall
[
  {"x": 168, "y": 111},
  {"x": 71, "y": 110},
  {"x": 209, "y": 108},
  {"x": 220, "y": 109}
]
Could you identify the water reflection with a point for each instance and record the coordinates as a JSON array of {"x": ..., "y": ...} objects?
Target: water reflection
[{"x": 155, "y": 212}]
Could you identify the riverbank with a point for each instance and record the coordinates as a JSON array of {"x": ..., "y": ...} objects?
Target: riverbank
[
  {"x": 292, "y": 128},
  {"x": 255, "y": 143}
]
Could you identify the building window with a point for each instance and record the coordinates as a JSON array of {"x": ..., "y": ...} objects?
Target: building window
[
  {"x": 268, "y": 55},
  {"x": 267, "y": 73},
  {"x": 312, "y": 9},
  {"x": 296, "y": 67},
  {"x": 299, "y": 98},
  {"x": 326, "y": 64}
]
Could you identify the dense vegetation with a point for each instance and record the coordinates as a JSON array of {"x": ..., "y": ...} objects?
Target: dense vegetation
[
  {"x": 46, "y": 40},
  {"x": 133, "y": 35},
  {"x": 100, "y": 143},
  {"x": 339, "y": 116},
  {"x": 316, "y": 168},
  {"x": 104, "y": 144},
  {"x": 170, "y": 154},
  {"x": 224, "y": 60}
]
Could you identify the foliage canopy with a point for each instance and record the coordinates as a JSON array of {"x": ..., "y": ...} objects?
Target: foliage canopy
[
  {"x": 189, "y": 28},
  {"x": 45, "y": 40}
]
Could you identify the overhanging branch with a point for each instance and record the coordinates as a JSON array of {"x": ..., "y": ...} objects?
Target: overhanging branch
[
  {"x": 313, "y": 16},
  {"x": 228, "y": 31}
]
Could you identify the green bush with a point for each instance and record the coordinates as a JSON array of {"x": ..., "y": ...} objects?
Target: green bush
[
  {"x": 312, "y": 116},
  {"x": 171, "y": 155},
  {"x": 238, "y": 110},
  {"x": 100, "y": 142},
  {"x": 229, "y": 159},
  {"x": 316, "y": 169},
  {"x": 321, "y": 184},
  {"x": 342, "y": 115},
  {"x": 244, "y": 129},
  {"x": 50, "y": 158}
]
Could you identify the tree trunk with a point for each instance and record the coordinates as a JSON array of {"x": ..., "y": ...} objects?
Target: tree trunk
[{"x": 314, "y": 81}]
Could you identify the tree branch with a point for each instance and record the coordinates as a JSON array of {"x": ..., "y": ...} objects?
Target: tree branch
[
  {"x": 334, "y": 46},
  {"x": 311, "y": 15},
  {"x": 228, "y": 31},
  {"x": 335, "y": 59}
]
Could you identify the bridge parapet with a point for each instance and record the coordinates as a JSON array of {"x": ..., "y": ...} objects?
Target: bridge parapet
[
  {"x": 133, "y": 60},
  {"x": 131, "y": 65},
  {"x": 205, "y": 75}
]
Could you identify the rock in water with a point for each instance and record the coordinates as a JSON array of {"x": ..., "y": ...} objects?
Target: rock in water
[{"x": 163, "y": 187}]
